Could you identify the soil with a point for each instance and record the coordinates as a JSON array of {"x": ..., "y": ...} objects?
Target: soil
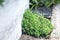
[
  {"x": 53, "y": 36},
  {"x": 27, "y": 37}
]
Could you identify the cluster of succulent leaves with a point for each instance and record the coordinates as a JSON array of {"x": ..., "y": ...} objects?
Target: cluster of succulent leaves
[
  {"x": 1, "y": 1},
  {"x": 46, "y": 3},
  {"x": 35, "y": 25}
]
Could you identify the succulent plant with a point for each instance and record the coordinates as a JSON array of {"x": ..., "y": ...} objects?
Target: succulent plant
[{"x": 36, "y": 25}]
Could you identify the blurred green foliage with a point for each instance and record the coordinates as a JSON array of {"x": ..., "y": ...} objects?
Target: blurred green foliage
[{"x": 1, "y": 1}]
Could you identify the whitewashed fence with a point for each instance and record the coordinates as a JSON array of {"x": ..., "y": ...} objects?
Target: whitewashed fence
[{"x": 10, "y": 18}]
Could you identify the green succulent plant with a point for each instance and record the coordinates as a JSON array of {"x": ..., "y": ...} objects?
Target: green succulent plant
[{"x": 36, "y": 25}]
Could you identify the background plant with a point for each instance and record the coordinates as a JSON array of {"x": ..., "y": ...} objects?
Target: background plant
[
  {"x": 1, "y": 1},
  {"x": 47, "y": 3},
  {"x": 36, "y": 25}
]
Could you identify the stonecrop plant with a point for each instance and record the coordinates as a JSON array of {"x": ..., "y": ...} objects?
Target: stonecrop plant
[{"x": 36, "y": 25}]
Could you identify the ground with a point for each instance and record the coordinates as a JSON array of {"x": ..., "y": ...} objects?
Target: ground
[
  {"x": 27, "y": 37},
  {"x": 53, "y": 36}
]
